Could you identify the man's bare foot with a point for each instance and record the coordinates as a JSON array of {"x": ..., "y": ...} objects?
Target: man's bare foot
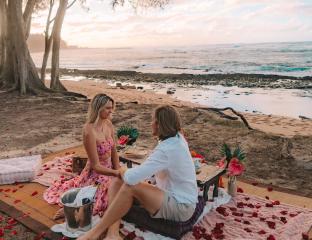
[
  {"x": 59, "y": 214},
  {"x": 113, "y": 237},
  {"x": 93, "y": 234}
]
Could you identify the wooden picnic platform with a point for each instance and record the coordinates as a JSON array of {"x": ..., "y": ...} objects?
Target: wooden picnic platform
[{"x": 34, "y": 212}]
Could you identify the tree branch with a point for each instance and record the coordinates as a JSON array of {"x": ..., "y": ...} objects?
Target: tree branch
[
  {"x": 220, "y": 111},
  {"x": 66, "y": 9},
  {"x": 48, "y": 20},
  {"x": 71, "y": 4}
]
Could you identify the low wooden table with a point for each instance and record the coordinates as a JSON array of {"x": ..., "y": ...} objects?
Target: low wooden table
[{"x": 209, "y": 174}]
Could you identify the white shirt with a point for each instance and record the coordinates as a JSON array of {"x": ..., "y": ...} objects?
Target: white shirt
[{"x": 172, "y": 164}]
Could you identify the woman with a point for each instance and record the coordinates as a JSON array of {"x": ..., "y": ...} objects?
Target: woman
[
  {"x": 175, "y": 195},
  {"x": 103, "y": 161}
]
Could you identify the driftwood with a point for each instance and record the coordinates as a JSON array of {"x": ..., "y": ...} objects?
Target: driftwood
[{"x": 222, "y": 114}]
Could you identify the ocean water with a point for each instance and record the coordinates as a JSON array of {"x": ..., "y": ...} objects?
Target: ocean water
[
  {"x": 290, "y": 59},
  {"x": 282, "y": 102}
]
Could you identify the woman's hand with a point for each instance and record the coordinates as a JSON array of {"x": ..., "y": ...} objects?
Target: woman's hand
[
  {"x": 117, "y": 173},
  {"x": 122, "y": 171}
]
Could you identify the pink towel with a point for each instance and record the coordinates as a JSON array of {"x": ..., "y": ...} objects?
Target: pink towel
[{"x": 56, "y": 169}]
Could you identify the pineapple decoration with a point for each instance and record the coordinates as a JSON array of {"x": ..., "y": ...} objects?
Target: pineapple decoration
[
  {"x": 127, "y": 135},
  {"x": 228, "y": 155}
]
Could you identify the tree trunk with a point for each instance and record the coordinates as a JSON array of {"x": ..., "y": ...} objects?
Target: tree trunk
[
  {"x": 47, "y": 43},
  {"x": 20, "y": 70},
  {"x": 56, "y": 38},
  {"x": 27, "y": 16},
  {"x": 3, "y": 17}
]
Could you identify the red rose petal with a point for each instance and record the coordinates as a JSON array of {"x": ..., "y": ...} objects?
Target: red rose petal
[
  {"x": 17, "y": 201},
  {"x": 34, "y": 193},
  {"x": 206, "y": 236},
  {"x": 9, "y": 227},
  {"x": 271, "y": 224},
  {"x": 131, "y": 236},
  {"x": 254, "y": 183},
  {"x": 270, "y": 189},
  {"x": 11, "y": 221},
  {"x": 247, "y": 198},
  {"x": 284, "y": 220},
  {"x": 305, "y": 236},
  {"x": 246, "y": 222},
  {"x": 247, "y": 230},
  {"x": 240, "y": 204},
  {"x": 284, "y": 212},
  {"x": 266, "y": 197},
  {"x": 261, "y": 232},
  {"x": 219, "y": 225},
  {"x": 254, "y": 214},
  {"x": 276, "y": 202},
  {"x": 237, "y": 214},
  {"x": 270, "y": 237},
  {"x": 237, "y": 220},
  {"x": 269, "y": 205},
  {"x": 240, "y": 190},
  {"x": 293, "y": 214},
  {"x": 222, "y": 211},
  {"x": 250, "y": 205}
]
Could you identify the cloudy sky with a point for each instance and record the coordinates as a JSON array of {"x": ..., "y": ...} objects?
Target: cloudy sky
[{"x": 185, "y": 22}]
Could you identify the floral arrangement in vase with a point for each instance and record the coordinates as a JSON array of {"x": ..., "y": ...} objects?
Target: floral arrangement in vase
[
  {"x": 233, "y": 163},
  {"x": 127, "y": 135}
]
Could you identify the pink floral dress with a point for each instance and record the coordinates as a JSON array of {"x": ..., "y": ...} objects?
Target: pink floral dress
[{"x": 87, "y": 177}]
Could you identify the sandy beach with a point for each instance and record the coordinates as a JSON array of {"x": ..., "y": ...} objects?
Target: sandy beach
[{"x": 278, "y": 150}]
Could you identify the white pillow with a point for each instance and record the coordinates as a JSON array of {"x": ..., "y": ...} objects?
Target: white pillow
[{"x": 20, "y": 169}]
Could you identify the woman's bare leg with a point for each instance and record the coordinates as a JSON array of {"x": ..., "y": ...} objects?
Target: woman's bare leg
[
  {"x": 149, "y": 196},
  {"x": 113, "y": 230}
]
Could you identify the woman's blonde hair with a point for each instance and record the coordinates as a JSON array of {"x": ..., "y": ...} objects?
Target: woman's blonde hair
[
  {"x": 95, "y": 106},
  {"x": 168, "y": 120}
]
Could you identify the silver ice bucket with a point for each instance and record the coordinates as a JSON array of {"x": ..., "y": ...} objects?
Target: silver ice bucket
[{"x": 80, "y": 217}]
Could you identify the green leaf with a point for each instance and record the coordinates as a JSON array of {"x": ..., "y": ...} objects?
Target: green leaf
[
  {"x": 239, "y": 153},
  {"x": 226, "y": 151},
  {"x": 128, "y": 130}
]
